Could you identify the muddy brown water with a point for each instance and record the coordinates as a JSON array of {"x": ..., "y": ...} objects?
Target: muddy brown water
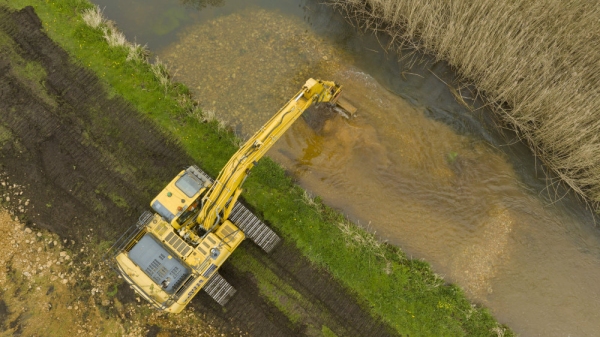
[{"x": 421, "y": 170}]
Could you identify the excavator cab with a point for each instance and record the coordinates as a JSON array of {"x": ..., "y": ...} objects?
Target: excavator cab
[{"x": 178, "y": 202}]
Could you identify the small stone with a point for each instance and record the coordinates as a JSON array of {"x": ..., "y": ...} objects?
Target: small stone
[
  {"x": 63, "y": 254},
  {"x": 7, "y": 198},
  {"x": 69, "y": 307},
  {"x": 106, "y": 303},
  {"x": 27, "y": 230},
  {"x": 64, "y": 281},
  {"x": 39, "y": 235}
]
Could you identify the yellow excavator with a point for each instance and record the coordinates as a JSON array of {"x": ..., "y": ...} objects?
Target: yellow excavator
[{"x": 173, "y": 253}]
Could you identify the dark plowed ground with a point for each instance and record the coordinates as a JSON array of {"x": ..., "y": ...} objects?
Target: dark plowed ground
[{"x": 91, "y": 164}]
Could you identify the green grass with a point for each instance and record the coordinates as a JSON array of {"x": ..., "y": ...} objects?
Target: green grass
[
  {"x": 299, "y": 309},
  {"x": 404, "y": 292},
  {"x": 280, "y": 294},
  {"x": 5, "y": 135},
  {"x": 118, "y": 200},
  {"x": 327, "y": 332},
  {"x": 32, "y": 73}
]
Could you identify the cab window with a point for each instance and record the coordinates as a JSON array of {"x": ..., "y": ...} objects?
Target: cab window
[{"x": 188, "y": 184}]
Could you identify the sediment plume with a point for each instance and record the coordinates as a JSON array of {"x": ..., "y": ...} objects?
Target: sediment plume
[{"x": 534, "y": 62}]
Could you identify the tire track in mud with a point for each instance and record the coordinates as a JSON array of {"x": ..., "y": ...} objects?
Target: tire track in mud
[{"x": 90, "y": 162}]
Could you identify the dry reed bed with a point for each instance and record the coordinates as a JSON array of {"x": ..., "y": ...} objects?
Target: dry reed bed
[{"x": 536, "y": 62}]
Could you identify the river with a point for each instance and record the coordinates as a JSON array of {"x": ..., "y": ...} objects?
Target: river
[{"x": 425, "y": 172}]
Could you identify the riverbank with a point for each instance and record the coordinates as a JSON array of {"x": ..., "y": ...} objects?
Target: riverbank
[
  {"x": 405, "y": 293},
  {"x": 534, "y": 63}
]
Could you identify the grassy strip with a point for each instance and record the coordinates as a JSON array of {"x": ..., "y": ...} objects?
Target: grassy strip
[
  {"x": 292, "y": 303},
  {"x": 404, "y": 292},
  {"x": 535, "y": 62}
]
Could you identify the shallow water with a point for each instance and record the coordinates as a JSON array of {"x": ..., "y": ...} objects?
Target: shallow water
[{"x": 420, "y": 169}]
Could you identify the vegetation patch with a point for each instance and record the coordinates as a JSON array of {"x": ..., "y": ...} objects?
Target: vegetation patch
[
  {"x": 404, "y": 293},
  {"x": 281, "y": 294},
  {"x": 5, "y": 135},
  {"x": 31, "y": 72}
]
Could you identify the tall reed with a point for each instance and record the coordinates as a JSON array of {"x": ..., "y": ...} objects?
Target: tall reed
[{"x": 536, "y": 62}]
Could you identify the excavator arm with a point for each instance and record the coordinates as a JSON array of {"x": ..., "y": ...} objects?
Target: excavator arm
[{"x": 222, "y": 195}]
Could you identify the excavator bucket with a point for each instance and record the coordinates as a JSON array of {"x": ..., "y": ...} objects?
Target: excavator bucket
[{"x": 348, "y": 109}]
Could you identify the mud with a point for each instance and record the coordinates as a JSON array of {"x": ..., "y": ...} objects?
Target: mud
[{"x": 88, "y": 165}]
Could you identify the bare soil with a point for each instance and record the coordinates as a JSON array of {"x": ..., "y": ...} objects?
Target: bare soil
[{"x": 88, "y": 164}]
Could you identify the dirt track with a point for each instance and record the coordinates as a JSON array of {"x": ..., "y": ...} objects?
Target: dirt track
[{"x": 90, "y": 164}]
